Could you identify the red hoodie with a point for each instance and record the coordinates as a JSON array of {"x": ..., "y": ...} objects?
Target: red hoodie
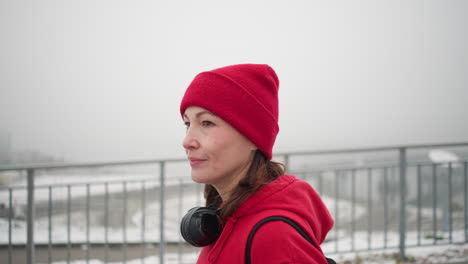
[{"x": 276, "y": 241}]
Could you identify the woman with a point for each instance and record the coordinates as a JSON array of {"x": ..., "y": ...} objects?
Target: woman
[{"x": 231, "y": 115}]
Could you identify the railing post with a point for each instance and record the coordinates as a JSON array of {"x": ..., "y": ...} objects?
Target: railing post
[
  {"x": 10, "y": 216},
  {"x": 465, "y": 195},
  {"x": 286, "y": 163},
  {"x": 161, "y": 213},
  {"x": 31, "y": 215},
  {"x": 402, "y": 157}
]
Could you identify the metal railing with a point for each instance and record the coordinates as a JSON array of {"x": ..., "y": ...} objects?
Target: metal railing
[
  {"x": 392, "y": 193},
  {"x": 31, "y": 212}
]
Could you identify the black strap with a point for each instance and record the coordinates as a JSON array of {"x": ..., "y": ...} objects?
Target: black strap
[{"x": 277, "y": 218}]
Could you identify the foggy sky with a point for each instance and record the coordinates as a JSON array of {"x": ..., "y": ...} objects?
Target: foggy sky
[{"x": 102, "y": 80}]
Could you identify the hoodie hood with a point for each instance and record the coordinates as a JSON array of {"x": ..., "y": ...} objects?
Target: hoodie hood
[
  {"x": 287, "y": 196},
  {"x": 293, "y": 195}
]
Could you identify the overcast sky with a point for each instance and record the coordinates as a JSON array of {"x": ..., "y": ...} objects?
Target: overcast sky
[{"x": 102, "y": 80}]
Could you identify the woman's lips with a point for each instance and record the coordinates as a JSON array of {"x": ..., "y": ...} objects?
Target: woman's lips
[{"x": 195, "y": 162}]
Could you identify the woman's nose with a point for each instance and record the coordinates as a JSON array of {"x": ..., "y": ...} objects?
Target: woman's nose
[{"x": 190, "y": 141}]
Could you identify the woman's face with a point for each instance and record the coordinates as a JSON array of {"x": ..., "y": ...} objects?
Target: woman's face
[{"x": 219, "y": 155}]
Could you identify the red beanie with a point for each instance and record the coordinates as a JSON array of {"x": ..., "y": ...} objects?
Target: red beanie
[{"x": 244, "y": 95}]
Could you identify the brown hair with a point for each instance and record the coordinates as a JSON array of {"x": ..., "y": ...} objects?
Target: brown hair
[{"x": 261, "y": 172}]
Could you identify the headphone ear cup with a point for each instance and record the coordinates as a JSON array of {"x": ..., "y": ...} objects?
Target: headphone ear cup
[
  {"x": 200, "y": 226},
  {"x": 186, "y": 224}
]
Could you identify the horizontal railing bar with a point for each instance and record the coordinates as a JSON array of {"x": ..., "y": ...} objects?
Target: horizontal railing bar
[
  {"x": 94, "y": 244},
  {"x": 371, "y": 149},
  {"x": 429, "y": 163},
  {"x": 82, "y": 184},
  {"x": 332, "y": 253},
  {"x": 175, "y": 243},
  {"x": 343, "y": 169},
  {"x": 392, "y": 165},
  {"x": 84, "y": 165}
]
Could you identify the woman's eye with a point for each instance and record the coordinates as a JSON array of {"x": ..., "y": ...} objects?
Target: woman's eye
[
  {"x": 207, "y": 123},
  {"x": 187, "y": 124}
]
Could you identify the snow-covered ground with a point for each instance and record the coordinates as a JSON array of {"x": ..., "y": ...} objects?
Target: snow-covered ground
[{"x": 175, "y": 208}]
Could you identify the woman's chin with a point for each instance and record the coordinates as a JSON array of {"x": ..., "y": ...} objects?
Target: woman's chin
[{"x": 199, "y": 178}]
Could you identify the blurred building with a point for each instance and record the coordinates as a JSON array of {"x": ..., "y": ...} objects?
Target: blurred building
[
  {"x": 8, "y": 155},
  {"x": 5, "y": 147}
]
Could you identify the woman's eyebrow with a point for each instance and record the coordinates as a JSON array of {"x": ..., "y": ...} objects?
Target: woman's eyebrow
[
  {"x": 203, "y": 113},
  {"x": 197, "y": 115}
]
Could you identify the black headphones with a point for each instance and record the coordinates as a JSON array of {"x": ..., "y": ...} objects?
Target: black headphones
[{"x": 201, "y": 226}]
